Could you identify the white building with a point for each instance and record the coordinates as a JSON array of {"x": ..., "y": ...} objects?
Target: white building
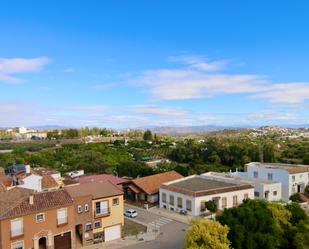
[
  {"x": 293, "y": 178},
  {"x": 31, "y": 181},
  {"x": 263, "y": 189},
  {"x": 191, "y": 194}
]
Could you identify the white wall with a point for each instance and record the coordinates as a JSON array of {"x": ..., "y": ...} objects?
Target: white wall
[
  {"x": 196, "y": 201},
  {"x": 289, "y": 186},
  {"x": 33, "y": 182}
]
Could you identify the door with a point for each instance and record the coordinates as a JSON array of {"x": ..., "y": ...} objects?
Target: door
[
  {"x": 63, "y": 241},
  {"x": 112, "y": 233}
]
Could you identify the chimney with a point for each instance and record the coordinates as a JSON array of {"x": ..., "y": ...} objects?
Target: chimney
[
  {"x": 27, "y": 169},
  {"x": 31, "y": 199}
]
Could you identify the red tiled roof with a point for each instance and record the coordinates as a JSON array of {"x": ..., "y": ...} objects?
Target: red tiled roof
[
  {"x": 15, "y": 202},
  {"x": 6, "y": 181},
  {"x": 151, "y": 184},
  {"x": 48, "y": 182},
  {"x": 102, "y": 178},
  {"x": 95, "y": 189}
]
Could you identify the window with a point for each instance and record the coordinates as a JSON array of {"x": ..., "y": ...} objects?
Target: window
[
  {"x": 246, "y": 196},
  {"x": 101, "y": 208},
  {"x": 179, "y": 202},
  {"x": 270, "y": 176},
  {"x": 79, "y": 209},
  {"x": 18, "y": 245},
  {"x": 62, "y": 217},
  {"x": 17, "y": 227},
  {"x": 256, "y": 194},
  {"x": 293, "y": 178},
  {"x": 235, "y": 200},
  {"x": 88, "y": 227},
  {"x": 255, "y": 174},
  {"x": 86, "y": 207},
  {"x": 172, "y": 200},
  {"x": 163, "y": 197},
  {"x": 224, "y": 202},
  {"x": 115, "y": 201},
  {"x": 203, "y": 206},
  {"x": 40, "y": 217},
  {"x": 275, "y": 193},
  {"x": 188, "y": 205},
  {"x": 97, "y": 224}
]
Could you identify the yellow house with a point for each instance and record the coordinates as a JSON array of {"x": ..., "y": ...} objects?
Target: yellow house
[{"x": 99, "y": 211}]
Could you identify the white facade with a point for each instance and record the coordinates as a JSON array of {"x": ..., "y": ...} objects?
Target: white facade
[
  {"x": 291, "y": 182},
  {"x": 263, "y": 189},
  {"x": 194, "y": 205},
  {"x": 33, "y": 182}
]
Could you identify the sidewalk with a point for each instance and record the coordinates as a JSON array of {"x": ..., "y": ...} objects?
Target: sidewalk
[
  {"x": 171, "y": 215},
  {"x": 121, "y": 243}
]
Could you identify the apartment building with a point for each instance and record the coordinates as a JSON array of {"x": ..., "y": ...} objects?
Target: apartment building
[
  {"x": 293, "y": 178},
  {"x": 98, "y": 211},
  {"x": 263, "y": 189},
  {"x": 38, "y": 220},
  {"x": 191, "y": 194}
]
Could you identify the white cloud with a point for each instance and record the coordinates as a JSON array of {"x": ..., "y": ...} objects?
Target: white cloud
[
  {"x": 175, "y": 84},
  {"x": 10, "y": 67},
  {"x": 199, "y": 62},
  {"x": 288, "y": 93},
  {"x": 197, "y": 80}
]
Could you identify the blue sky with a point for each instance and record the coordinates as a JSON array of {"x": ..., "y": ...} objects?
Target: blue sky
[{"x": 141, "y": 63}]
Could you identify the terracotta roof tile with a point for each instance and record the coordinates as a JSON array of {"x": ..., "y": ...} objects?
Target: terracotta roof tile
[
  {"x": 101, "y": 178},
  {"x": 96, "y": 189},
  {"x": 48, "y": 182},
  {"x": 15, "y": 202},
  {"x": 151, "y": 184}
]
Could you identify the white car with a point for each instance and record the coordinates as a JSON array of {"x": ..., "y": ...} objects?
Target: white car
[{"x": 130, "y": 213}]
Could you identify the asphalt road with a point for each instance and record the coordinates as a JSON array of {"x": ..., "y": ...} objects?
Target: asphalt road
[
  {"x": 171, "y": 237},
  {"x": 172, "y": 233}
]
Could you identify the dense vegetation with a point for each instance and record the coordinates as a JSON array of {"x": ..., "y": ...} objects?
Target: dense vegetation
[
  {"x": 185, "y": 156},
  {"x": 253, "y": 225}
]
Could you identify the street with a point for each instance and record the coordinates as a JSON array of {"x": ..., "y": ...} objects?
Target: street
[{"x": 172, "y": 233}]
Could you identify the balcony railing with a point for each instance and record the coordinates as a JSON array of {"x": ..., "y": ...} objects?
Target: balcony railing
[
  {"x": 17, "y": 232},
  {"x": 62, "y": 221},
  {"x": 102, "y": 212}
]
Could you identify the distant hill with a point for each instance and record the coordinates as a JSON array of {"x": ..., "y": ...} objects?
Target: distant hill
[{"x": 189, "y": 129}]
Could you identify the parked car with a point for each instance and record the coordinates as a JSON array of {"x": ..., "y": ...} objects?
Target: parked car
[
  {"x": 183, "y": 212},
  {"x": 131, "y": 213}
]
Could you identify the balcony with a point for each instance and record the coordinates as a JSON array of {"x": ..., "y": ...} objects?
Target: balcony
[
  {"x": 17, "y": 232},
  {"x": 62, "y": 221},
  {"x": 102, "y": 212}
]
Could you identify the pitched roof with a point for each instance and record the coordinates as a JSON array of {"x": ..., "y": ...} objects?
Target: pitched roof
[
  {"x": 96, "y": 189},
  {"x": 101, "y": 178},
  {"x": 151, "y": 184},
  {"x": 6, "y": 180},
  {"x": 15, "y": 202},
  {"x": 48, "y": 182}
]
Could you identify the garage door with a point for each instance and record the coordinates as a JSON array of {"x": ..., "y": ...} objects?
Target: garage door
[
  {"x": 63, "y": 241},
  {"x": 112, "y": 233}
]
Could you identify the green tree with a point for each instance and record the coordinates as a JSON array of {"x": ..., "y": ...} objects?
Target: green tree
[
  {"x": 206, "y": 234},
  {"x": 252, "y": 226},
  {"x": 298, "y": 214},
  {"x": 148, "y": 135},
  {"x": 211, "y": 206}
]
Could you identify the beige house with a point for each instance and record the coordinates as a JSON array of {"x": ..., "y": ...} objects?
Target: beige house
[{"x": 98, "y": 211}]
